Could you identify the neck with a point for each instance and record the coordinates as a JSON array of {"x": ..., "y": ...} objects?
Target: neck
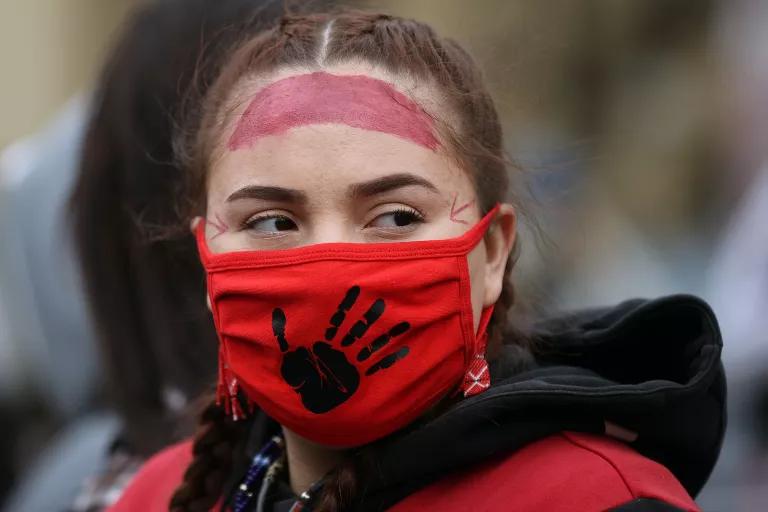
[{"x": 308, "y": 461}]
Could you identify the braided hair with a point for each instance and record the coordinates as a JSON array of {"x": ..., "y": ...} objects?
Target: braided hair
[{"x": 213, "y": 452}]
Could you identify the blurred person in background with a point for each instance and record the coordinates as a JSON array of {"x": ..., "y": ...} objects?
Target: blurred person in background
[
  {"x": 123, "y": 195},
  {"x": 291, "y": 148},
  {"x": 141, "y": 287},
  {"x": 738, "y": 280},
  {"x": 48, "y": 365}
]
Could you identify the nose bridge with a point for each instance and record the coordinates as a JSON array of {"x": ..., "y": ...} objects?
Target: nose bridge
[{"x": 333, "y": 226}]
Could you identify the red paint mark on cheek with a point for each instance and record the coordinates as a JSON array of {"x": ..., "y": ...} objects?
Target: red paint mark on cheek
[
  {"x": 322, "y": 98},
  {"x": 219, "y": 225},
  {"x": 456, "y": 211}
]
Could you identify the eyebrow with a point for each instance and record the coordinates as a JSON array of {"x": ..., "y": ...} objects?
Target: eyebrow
[
  {"x": 363, "y": 189},
  {"x": 285, "y": 195},
  {"x": 388, "y": 183}
]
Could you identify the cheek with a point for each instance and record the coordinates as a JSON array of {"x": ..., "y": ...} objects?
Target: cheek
[{"x": 476, "y": 261}]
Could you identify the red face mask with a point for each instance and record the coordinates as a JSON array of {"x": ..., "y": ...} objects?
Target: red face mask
[{"x": 345, "y": 343}]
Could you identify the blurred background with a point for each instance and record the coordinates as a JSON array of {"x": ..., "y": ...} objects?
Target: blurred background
[{"x": 641, "y": 126}]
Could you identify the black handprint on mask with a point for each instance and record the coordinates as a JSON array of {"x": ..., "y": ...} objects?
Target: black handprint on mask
[{"x": 323, "y": 377}]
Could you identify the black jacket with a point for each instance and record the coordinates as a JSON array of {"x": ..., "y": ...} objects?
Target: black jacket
[{"x": 652, "y": 367}]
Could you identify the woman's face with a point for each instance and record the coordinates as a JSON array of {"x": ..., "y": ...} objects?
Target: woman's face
[{"x": 321, "y": 175}]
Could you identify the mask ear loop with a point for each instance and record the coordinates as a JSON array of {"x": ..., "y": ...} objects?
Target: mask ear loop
[
  {"x": 227, "y": 386},
  {"x": 478, "y": 377}
]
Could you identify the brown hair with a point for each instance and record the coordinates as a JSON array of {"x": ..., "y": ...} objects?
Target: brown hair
[
  {"x": 144, "y": 291},
  {"x": 402, "y": 47}
]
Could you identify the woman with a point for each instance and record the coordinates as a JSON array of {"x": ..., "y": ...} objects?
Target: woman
[
  {"x": 346, "y": 188},
  {"x": 132, "y": 278},
  {"x": 139, "y": 285}
]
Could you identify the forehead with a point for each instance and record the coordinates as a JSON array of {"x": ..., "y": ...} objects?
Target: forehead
[
  {"x": 320, "y": 97},
  {"x": 322, "y": 130},
  {"x": 327, "y": 163}
]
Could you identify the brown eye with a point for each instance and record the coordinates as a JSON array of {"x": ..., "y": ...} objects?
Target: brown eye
[
  {"x": 397, "y": 219},
  {"x": 271, "y": 224}
]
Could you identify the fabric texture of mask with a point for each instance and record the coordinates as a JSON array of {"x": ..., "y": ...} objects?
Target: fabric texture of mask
[{"x": 345, "y": 343}]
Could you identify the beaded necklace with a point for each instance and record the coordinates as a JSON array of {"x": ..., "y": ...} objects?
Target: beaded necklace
[
  {"x": 262, "y": 472},
  {"x": 261, "y": 462}
]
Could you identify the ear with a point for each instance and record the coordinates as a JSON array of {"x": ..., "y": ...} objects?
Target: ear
[
  {"x": 499, "y": 241},
  {"x": 193, "y": 223}
]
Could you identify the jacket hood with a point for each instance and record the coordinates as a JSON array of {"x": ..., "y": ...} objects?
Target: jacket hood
[{"x": 651, "y": 367}]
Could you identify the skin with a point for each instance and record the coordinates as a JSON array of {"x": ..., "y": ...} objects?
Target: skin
[
  {"x": 346, "y": 184},
  {"x": 319, "y": 98}
]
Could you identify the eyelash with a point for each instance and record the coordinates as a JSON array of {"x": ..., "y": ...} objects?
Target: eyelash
[
  {"x": 251, "y": 222},
  {"x": 416, "y": 217}
]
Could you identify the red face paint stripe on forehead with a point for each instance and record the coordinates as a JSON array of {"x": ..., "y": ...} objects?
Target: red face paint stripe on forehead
[{"x": 320, "y": 98}]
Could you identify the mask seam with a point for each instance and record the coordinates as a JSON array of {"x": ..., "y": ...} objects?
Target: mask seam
[
  {"x": 361, "y": 254},
  {"x": 465, "y": 294}
]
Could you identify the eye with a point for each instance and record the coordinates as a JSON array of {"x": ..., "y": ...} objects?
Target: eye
[
  {"x": 270, "y": 224},
  {"x": 400, "y": 218}
]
